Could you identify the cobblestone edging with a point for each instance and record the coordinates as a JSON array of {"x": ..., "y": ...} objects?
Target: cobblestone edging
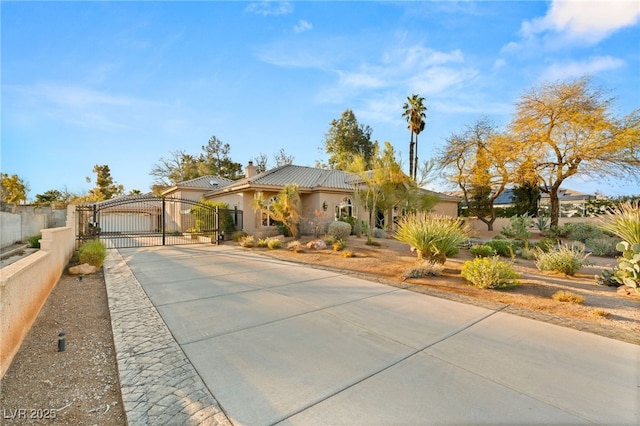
[{"x": 159, "y": 384}]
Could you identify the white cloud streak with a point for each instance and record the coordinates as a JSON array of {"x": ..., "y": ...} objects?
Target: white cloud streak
[
  {"x": 270, "y": 8},
  {"x": 571, "y": 69},
  {"x": 584, "y": 21},
  {"x": 302, "y": 26},
  {"x": 78, "y": 105}
]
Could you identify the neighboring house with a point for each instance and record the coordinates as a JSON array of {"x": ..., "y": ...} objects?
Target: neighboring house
[
  {"x": 325, "y": 195},
  {"x": 572, "y": 203},
  {"x": 195, "y": 189}
]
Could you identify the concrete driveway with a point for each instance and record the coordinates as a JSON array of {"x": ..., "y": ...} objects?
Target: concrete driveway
[{"x": 278, "y": 343}]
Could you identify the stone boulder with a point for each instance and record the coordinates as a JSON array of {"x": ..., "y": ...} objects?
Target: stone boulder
[
  {"x": 84, "y": 269},
  {"x": 317, "y": 245}
]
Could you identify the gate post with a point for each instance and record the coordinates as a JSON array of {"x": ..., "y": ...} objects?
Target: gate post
[
  {"x": 162, "y": 220},
  {"x": 217, "y": 224}
]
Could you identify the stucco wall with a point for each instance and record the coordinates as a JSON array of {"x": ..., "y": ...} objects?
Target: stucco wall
[
  {"x": 25, "y": 286},
  {"x": 501, "y": 222},
  {"x": 18, "y": 227}
]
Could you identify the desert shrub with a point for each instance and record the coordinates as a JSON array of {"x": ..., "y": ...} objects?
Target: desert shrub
[
  {"x": 528, "y": 253},
  {"x": 247, "y": 241},
  {"x": 567, "y": 297},
  {"x": 601, "y": 313},
  {"x": 379, "y": 233},
  {"x": 602, "y": 246},
  {"x": 34, "y": 241},
  {"x": 482, "y": 250},
  {"x": 504, "y": 248},
  {"x": 274, "y": 243},
  {"x": 338, "y": 245},
  {"x": 546, "y": 244},
  {"x": 339, "y": 230},
  {"x": 558, "y": 232},
  {"x": 237, "y": 236},
  {"x": 261, "y": 242},
  {"x": 564, "y": 259},
  {"x": 423, "y": 269},
  {"x": 92, "y": 252},
  {"x": 518, "y": 227},
  {"x": 329, "y": 240},
  {"x": 347, "y": 253},
  {"x": 624, "y": 222},
  {"x": 583, "y": 231},
  {"x": 489, "y": 272},
  {"x": 435, "y": 237},
  {"x": 351, "y": 220}
]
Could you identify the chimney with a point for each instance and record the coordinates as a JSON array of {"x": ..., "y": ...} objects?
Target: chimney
[{"x": 251, "y": 170}]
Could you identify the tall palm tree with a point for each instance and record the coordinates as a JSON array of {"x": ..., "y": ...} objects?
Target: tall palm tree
[{"x": 414, "y": 114}]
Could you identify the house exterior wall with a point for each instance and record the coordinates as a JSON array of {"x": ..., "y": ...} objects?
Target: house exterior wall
[{"x": 446, "y": 208}]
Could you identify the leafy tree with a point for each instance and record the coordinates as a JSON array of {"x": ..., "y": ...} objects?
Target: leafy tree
[
  {"x": 106, "y": 188},
  {"x": 50, "y": 198},
  {"x": 477, "y": 161},
  {"x": 568, "y": 128},
  {"x": 414, "y": 113},
  {"x": 386, "y": 186},
  {"x": 525, "y": 199},
  {"x": 286, "y": 208},
  {"x": 216, "y": 160},
  {"x": 347, "y": 139},
  {"x": 13, "y": 189},
  {"x": 179, "y": 167}
]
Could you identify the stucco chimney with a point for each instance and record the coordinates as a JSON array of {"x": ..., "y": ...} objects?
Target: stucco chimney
[{"x": 251, "y": 170}]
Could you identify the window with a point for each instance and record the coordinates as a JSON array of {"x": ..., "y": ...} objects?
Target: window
[{"x": 344, "y": 209}]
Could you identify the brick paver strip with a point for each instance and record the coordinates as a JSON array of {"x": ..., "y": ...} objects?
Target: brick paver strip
[{"x": 159, "y": 384}]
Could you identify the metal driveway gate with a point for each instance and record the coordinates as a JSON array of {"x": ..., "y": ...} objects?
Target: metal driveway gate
[{"x": 145, "y": 220}]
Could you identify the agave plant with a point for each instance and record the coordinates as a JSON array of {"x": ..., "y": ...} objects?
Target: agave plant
[{"x": 434, "y": 237}]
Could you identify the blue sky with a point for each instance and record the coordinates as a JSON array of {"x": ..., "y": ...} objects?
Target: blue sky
[{"x": 126, "y": 83}]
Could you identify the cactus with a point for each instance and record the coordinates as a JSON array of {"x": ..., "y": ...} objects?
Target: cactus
[{"x": 628, "y": 270}]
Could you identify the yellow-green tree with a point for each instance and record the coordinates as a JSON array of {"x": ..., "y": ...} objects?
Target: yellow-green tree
[
  {"x": 478, "y": 162},
  {"x": 386, "y": 187},
  {"x": 284, "y": 208},
  {"x": 13, "y": 189},
  {"x": 568, "y": 128}
]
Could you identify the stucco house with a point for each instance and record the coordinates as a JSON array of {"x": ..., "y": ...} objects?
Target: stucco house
[{"x": 325, "y": 195}]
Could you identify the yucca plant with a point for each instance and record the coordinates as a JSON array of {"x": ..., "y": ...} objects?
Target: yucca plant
[
  {"x": 624, "y": 222},
  {"x": 434, "y": 237}
]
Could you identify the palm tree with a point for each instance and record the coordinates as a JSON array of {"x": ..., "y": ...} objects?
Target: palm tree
[{"x": 414, "y": 114}]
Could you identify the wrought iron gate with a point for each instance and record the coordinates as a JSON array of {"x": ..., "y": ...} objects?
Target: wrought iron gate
[{"x": 144, "y": 220}]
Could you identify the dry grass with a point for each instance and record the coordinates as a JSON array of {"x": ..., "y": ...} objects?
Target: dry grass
[{"x": 567, "y": 297}]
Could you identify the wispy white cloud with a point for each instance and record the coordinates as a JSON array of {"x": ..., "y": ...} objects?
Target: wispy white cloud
[
  {"x": 571, "y": 69},
  {"x": 267, "y": 8},
  {"x": 302, "y": 26},
  {"x": 78, "y": 105},
  {"x": 583, "y": 21}
]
